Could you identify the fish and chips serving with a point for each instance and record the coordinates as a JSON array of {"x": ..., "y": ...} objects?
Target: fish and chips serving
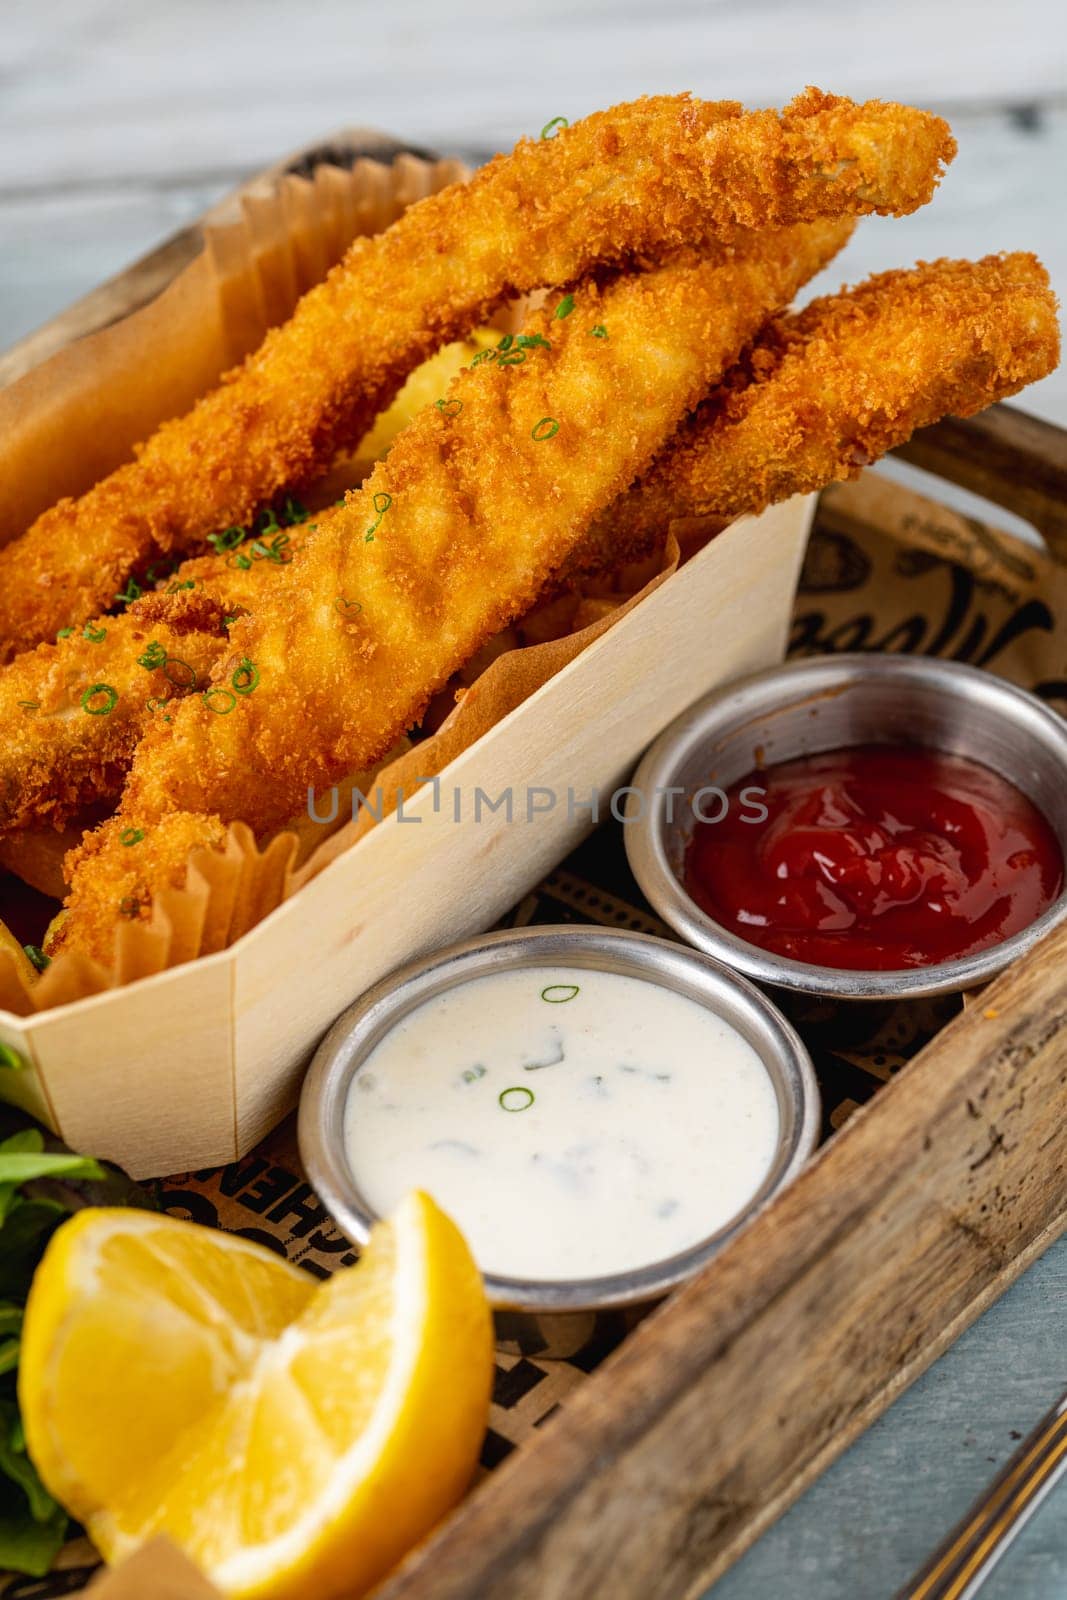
[
  {"x": 496, "y": 431},
  {"x": 185, "y": 658}
]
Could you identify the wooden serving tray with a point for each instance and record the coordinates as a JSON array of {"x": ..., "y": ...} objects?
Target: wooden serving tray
[{"x": 720, "y": 1408}]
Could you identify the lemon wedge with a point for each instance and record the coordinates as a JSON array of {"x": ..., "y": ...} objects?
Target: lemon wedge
[{"x": 294, "y": 1438}]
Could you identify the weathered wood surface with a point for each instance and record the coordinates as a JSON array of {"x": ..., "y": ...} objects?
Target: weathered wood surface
[
  {"x": 1012, "y": 458},
  {"x": 720, "y": 1409}
]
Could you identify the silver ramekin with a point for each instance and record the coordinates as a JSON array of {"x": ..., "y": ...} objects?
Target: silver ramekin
[
  {"x": 556, "y": 1317},
  {"x": 827, "y": 703}
]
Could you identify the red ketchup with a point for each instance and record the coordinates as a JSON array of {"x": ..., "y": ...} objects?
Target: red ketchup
[{"x": 875, "y": 858}]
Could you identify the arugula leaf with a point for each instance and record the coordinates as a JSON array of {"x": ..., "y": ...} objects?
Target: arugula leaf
[
  {"x": 32, "y": 1524},
  {"x": 27, "y": 1545}
]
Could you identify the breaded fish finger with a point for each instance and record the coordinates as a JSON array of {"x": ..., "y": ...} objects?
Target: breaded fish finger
[
  {"x": 452, "y": 536},
  {"x": 659, "y": 173},
  {"x": 65, "y": 748},
  {"x": 73, "y": 711},
  {"x": 825, "y": 391}
]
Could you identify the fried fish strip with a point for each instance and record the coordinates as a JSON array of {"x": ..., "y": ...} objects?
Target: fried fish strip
[
  {"x": 73, "y": 711},
  {"x": 454, "y": 534},
  {"x": 824, "y": 392},
  {"x": 65, "y": 748},
  {"x": 659, "y": 173},
  {"x": 818, "y": 395}
]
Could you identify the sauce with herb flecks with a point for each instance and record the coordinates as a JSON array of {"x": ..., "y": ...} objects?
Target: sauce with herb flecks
[{"x": 573, "y": 1123}]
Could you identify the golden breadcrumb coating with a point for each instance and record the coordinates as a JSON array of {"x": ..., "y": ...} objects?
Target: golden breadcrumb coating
[
  {"x": 455, "y": 534},
  {"x": 659, "y": 173},
  {"x": 72, "y": 712},
  {"x": 63, "y": 749},
  {"x": 824, "y": 392},
  {"x": 818, "y": 396}
]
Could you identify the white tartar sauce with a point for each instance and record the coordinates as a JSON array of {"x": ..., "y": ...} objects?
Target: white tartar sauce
[{"x": 572, "y": 1123}]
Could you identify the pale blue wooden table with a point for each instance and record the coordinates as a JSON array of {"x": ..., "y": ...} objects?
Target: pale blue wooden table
[{"x": 122, "y": 119}]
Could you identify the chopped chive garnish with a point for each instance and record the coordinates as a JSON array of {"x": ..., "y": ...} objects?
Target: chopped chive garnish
[
  {"x": 176, "y": 587},
  {"x": 153, "y": 703},
  {"x": 132, "y": 592},
  {"x": 557, "y": 994},
  {"x": 269, "y": 522},
  {"x": 382, "y": 502},
  {"x": 532, "y": 341},
  {"x": 246, "y": 678},
  {"x": 239, "y": 560},
  {"x": 547, "y": 428},
  {"x": 505, "y": 344},
  {"x": 36, "y": 956},
  {"x": 227, "y": 701},
  {"x": 131, "y": 836},
  {"x": 94, "y": 634},
  {"x": 227, "y": 621},
  {"x": 30, "y": 705},
  {"x": 179, "y": 673},
  {"x": 347, "y": 608},
  {"x": 518, "y": 1098},
  {"x": 550, "y": 127},
  {"x": 599, "y": 332},
  {"x": 565, "y": 307},
  {"x": 229, "y": 539},
  {"x": 275, "y": 550},
  {"x": 155, "y": 656},
  {"x": 64, "y": 633},
  {"x": 294, "y": 511},
  {"x": 450, "y": 408},
  {"x": 111, "y": 700}
]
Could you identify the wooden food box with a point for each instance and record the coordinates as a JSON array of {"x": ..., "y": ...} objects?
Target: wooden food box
[{"x": 715, "y": 1412}]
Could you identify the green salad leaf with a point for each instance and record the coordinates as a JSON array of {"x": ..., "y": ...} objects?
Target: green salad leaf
[{"x": 39, "y": 1188}]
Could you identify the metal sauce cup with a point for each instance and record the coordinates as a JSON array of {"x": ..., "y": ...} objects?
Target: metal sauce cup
[
  {"x": 828, "y": 703},
  {"x": 557, "y": 1317}
]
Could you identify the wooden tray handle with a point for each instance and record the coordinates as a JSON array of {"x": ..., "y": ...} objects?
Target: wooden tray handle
[{"x": 1015, "y": 460}]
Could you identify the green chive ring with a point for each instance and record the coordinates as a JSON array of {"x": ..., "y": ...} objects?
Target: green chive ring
[
  {"x": 110, "y": 702},
  {"x": 550, "y": 127},
  {"x": 523, "y": 1103},
  {"x": 131, "y": 836},
  {"x": 557, "y": 994},
  {"x": 449, "y": 408},
  {"x": 246, "y": 678},
  {"x": 547, "y": 428},
  {"x": 183, "y": 666},
  {"x": 220, "y": 710}
]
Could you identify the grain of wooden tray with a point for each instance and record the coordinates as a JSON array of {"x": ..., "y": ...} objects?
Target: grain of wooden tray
[{"x": 718, "y": 1410}]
